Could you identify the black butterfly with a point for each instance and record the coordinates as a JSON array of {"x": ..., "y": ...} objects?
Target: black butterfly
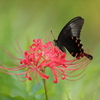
[{"x": 69, "y": 38}]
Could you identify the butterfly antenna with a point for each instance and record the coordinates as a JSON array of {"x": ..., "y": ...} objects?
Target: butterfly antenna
[{"x": 53, "y": 35}]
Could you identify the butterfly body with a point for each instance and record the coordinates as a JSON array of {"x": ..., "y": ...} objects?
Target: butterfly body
[{"x": 69, "y": 38}]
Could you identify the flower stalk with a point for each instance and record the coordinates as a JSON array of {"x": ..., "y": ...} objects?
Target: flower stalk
[{"x": 45, "y": 85}]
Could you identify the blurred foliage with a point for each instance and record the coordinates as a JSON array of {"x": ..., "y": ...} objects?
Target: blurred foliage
[{"x": 32, "y": 19}]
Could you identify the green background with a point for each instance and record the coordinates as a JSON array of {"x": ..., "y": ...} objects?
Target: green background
[{"x": 33, "y": 19}]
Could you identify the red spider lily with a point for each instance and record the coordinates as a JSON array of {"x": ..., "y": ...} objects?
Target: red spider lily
[{"x": 41, "y": 56}]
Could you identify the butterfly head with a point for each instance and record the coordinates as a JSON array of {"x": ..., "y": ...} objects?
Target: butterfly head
[{"x": 56, "y": 42}]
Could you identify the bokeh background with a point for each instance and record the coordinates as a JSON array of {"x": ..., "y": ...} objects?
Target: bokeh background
[{"x": 33, "y": 19}]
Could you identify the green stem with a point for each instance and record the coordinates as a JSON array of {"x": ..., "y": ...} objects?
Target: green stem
[{"x": 45, "y": 86}]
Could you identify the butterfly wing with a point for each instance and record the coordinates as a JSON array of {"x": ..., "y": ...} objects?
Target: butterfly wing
[
  {"x": 72, "y": 28},
  {"x": 69, "y": 36}
]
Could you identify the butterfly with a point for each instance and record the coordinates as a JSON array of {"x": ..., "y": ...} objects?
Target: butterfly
[{"x": 69, "y": 38}]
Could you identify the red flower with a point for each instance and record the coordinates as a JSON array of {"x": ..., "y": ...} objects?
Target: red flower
[{"x": 39, "y": 57}]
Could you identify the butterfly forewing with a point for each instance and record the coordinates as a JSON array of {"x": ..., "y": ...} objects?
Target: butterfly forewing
[{"x": 72, "y": 28}]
